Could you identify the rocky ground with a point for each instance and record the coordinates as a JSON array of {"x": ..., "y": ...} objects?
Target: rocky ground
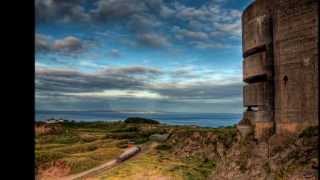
[{"x": 293, "y": 158}]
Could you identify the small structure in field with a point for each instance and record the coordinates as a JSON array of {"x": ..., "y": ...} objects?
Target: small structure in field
[
  {"x": 159, "y": 137},
  {"x": 54, "y": 121}
]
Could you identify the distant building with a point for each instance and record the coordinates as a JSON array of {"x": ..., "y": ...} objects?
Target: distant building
[
  {"x": 53, "y": 121},
  {"x": 280, "y": 66}
]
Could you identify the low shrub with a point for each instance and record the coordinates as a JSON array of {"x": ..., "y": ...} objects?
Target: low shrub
[
  {"x": 125, "y": 129},
  {"x": 310, "y": 132},
  {"x": 43, "y": 157},
  {"x": 139, "y": 120},
  {"x": 163, "y": 147},
  {"x": 122, "y": 135},
  {"x": 122, "y": 144},
  {"x": 141, "y": 140},
  {"x": 227, "y": 136}
]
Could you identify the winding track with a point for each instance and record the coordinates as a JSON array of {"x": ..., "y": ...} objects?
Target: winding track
[
  {"x": 89, "y": 172},
  {"x": 108, "y": 165}
]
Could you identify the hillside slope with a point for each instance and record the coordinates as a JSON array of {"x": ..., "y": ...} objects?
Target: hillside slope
[
  {"x": 280, "y": 157},
  {"x": 188, "y": 153}
]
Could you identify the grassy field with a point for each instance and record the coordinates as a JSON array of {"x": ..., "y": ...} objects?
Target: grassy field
[
  {"x": 77, "y": 146},
  {"x": 68, "y": 148},
  {"x": 160, "y": 165}
]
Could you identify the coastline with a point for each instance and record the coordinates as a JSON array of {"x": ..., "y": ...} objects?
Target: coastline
[{"x": 198, "y": 119}]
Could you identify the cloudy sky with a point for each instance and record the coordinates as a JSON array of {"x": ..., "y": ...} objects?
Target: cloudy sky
[{"x": 139, "y": 55}]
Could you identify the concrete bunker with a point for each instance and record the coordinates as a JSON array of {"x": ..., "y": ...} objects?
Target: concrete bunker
[{"x": 280, "y": 66}]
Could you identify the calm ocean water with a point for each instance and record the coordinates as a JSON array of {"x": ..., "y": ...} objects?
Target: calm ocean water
[{"x": 200, "y": 119}]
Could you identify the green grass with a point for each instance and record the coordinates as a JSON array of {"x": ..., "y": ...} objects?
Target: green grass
[
  {"x": 162, "y": 163},
  {"x": 202, "y": 166},
  {"x": 124, "y": 129},
  {"x": 81, "y": 145},
  {"x": 43, "y": 157},
  {"x": 147, "y": 164}
]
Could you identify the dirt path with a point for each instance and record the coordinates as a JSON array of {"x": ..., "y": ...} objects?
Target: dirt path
[
  {"x": 88, "y": 174},
  {"x": 93, "y": 173},
  {"x": 95, "y": 170}
]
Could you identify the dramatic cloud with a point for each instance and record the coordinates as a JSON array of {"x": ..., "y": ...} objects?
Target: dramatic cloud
[
  {"x": 42, "y": 43},
  {"x": 233, "y": 28},
  {"x": 187, "y": 34},
  {"x": 133, "y": 70},
  {"x": 131, "y": 81},
  {"x": 146, "y": 17},
  {"x": 183, "y": 74},
  {"x": 153, "y": 40},
  {"x": 206, "y": 45},
  {"x": 211, "y": 19},
  {"x": 115, "y": 9},
  {"x": 143, "y": 23},
  {"x": 189, "y": 13},
  {"x": 68, "y": 44},
  {"x": 120, "y": 94},
  {"x": 103, "y": 10},
  {"x": 200, "y": 91},
  {"x": 108, "y": 10},
  {"x": 66, "y": 80},
  {"x": 57, "y": 10},
  {"x": 138, "y": 54},
  {"x": 166, "y": 12}
]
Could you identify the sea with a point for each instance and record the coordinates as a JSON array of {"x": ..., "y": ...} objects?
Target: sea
[{"x": 198, "y": 119}]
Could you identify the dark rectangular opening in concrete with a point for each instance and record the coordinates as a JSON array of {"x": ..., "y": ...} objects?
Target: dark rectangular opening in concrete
[{"x": 254, "y": 51}]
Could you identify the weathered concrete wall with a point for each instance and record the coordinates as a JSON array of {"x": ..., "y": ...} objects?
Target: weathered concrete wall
[
  {"x": 263, "y": 129},
  {"x": 244, "y": 130},
  {"x": 258, "y": 116},
  {"x": 281, "y": 65},
  {"x": 257, "y": 94},
  {"x": 256, "y": 26},
  {"x": 296, "y": 29},
  {"x": 257, "y": 65}
]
